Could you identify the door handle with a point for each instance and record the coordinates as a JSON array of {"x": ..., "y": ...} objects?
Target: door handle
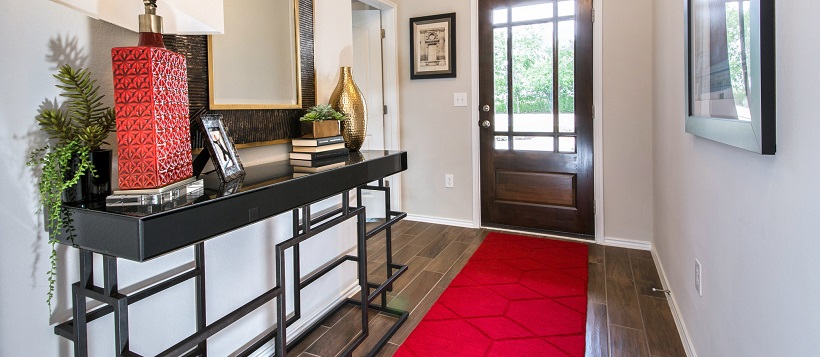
[{"x": 485, "y": 124}]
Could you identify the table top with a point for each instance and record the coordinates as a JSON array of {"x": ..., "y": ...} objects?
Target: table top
[{"x": 144, "y": 231}]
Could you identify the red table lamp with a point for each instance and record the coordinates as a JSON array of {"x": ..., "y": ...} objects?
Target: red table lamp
[{"x": 151, "y": 102}]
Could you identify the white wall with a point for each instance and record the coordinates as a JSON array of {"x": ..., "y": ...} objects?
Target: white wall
[
  {"x": 627, "y": 119},
  {"x": 239, "y": 263},
  {"x": 749, "y": 219}
]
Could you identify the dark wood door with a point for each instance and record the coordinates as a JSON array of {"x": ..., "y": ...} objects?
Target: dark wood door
[{"x": 536, "y": 115}]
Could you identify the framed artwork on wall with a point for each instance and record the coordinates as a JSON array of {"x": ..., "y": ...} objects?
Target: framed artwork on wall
[
  {"x": 433, "y": 46},
  {"x": 730, "y": 72},
  {"x": 220, "y": 147}
]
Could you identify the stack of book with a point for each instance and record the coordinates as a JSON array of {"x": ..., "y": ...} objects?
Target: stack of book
[{"x": 314, "y": 155}]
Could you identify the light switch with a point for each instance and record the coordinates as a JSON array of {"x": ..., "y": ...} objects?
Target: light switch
[{"x": 459, "y": 99}]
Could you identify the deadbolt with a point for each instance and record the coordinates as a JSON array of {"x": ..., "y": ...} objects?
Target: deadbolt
[{"x": 485, "y": 108}]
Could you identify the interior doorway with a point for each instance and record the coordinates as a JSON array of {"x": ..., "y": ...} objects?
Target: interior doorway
[{"x": 374, "y": 26}]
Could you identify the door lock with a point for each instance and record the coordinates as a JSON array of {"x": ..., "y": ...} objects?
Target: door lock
[
  {"x": 485, "y": 108},
  {"x": 485, "y": 124}
]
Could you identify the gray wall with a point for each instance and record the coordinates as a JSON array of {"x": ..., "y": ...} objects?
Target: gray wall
[
  {"x": 435, "y": 134},
  {"x": 627, "y": 119},
  {"x": 749, "y": 219}
]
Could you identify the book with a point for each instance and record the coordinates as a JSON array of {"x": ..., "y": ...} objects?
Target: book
[
  {"x": 318, "y": 148},
  {"x": 317, "y": 163},
  {"x": 318, "y": 168},
  {"x": 318, "y": 142},
  {"x": 318, "y": 155}
]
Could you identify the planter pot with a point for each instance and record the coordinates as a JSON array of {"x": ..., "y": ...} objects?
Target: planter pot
[
  {"x": 320, "y": 129},
  {"x": 90, "y": 188}
]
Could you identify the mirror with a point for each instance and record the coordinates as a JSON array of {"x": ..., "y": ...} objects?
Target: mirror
[
  {"x": 731, "y": 79},
  {"x": 255, "y": 64}
]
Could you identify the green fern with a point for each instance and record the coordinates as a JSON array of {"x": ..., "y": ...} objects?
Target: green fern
[{"x": 85, "y": 118}]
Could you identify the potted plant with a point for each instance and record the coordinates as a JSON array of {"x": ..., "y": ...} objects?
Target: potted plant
[
  {"x": 321, "y": 121},
  {"x": 71, "y": 165}
]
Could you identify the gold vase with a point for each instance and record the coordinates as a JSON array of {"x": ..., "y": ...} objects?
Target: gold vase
[{"x": 348, "y": 100}]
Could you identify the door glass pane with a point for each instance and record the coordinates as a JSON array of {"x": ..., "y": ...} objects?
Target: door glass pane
[
  {"x": 533, "y": 143},
  {"x": 502, "y": 143},
  {"x": 532, "y": 12},
  {"x": 566, "y": 76},
  {"x": 566, "y": 123},
  {"x": 533, "y": 122},
  {"x": 500, "y": 16},
  {"x": 532, "y": 78},
  {"x": 566, "y": 144},
  {"x": 500, "y": 86},
  {"x": 566, "y": 8}
]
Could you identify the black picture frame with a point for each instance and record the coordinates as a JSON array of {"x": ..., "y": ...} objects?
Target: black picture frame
[
  {"x": 730, "y": 72},
  {"x": 435, "y": 34},
  {"x": 220, "y": 147}
]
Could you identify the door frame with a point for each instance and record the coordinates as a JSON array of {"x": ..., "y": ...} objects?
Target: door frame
[
  {"x": 597, "y": 123},
  {"x": 390, "y": 81}
]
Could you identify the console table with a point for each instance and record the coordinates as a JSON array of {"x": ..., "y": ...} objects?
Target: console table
[{"x": 143, "y": 232}]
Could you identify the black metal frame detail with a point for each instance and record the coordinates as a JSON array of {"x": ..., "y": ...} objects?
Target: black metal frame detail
[{"x": 196, "y": 344}]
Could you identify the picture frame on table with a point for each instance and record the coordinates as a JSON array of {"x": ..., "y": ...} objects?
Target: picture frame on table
[
  {"x": 222, "y": 151},
  {"x": 730, "y": 72},
  {"x": 433, "y": 46}
]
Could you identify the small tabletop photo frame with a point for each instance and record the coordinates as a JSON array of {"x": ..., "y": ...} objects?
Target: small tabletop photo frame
[
  {"x": 433, "y": 46},
  {"x": 220, "y": 148}
]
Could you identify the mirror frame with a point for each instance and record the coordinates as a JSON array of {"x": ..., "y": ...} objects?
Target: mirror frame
[
  {"x": 248, "y": 127},
  {"x": 757, "y": 135},
  {"x": 212, "y": 104}
]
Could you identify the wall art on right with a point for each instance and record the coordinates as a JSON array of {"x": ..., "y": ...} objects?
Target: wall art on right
[{"x": 730, "y": 72}]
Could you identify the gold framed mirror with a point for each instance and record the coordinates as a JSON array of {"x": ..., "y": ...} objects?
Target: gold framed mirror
[{"x": 256, "y": 63}]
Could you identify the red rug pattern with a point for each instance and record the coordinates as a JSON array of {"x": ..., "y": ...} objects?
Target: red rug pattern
[{"x": 517, "y": 296}]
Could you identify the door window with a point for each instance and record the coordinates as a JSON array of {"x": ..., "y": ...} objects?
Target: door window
[{"x": 534, "y": 77}]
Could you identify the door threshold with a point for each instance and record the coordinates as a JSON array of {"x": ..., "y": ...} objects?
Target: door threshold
[{"x": 583, "y": 238}]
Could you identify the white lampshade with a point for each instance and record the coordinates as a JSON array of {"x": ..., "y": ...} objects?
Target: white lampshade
[{"x": 179, "y": 17}]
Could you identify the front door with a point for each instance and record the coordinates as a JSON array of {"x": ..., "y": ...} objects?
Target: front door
[{"x": 535, "y": 68}]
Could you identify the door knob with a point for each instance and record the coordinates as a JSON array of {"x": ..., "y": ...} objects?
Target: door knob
[
  {"x": 485, "y": 124},
  {"x": 485, "y": 108}
]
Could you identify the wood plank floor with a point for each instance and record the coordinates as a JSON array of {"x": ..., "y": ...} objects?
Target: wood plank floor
[{"x": 625, "y": 316}]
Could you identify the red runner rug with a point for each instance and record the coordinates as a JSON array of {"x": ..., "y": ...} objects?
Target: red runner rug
[{"x": 517, "y": 296}]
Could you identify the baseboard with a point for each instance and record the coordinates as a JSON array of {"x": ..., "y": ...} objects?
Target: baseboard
[
  {"x": 684, "y": 333},
  {"x": 439, "y": 220},
  {"x": 627, "y": 243},
  {"x": 301, "y": 325}
]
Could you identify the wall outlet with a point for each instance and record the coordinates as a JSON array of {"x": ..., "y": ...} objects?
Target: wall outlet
[
  {"x": 698, "y": 277},
  {"x": 459, "y": 99},
  {"x": 448, "y": 180}
]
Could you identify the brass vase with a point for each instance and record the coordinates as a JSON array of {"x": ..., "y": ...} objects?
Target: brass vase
[{"x": 348, "y": 100}]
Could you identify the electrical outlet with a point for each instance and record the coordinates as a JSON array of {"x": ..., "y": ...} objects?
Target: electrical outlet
[
  {"x": 448, "y": 180},
  {"x": 698, "y": 277},
  {"x": 459, "y": 99}
]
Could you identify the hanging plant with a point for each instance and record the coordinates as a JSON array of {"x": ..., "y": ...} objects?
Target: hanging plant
[{"x": 74, "y": 132}]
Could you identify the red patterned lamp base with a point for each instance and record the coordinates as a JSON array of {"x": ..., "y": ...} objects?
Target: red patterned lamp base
[{"x": 153, "y": 128}]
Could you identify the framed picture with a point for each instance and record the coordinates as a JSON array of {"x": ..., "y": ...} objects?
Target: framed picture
[
  {"x": 730, "y": 69},
  {"x": 433, "y": 46},
  {"x": 220, "y": 147}
]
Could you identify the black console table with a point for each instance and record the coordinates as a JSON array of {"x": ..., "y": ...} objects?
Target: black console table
[{"x": 143, "y": 232}]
